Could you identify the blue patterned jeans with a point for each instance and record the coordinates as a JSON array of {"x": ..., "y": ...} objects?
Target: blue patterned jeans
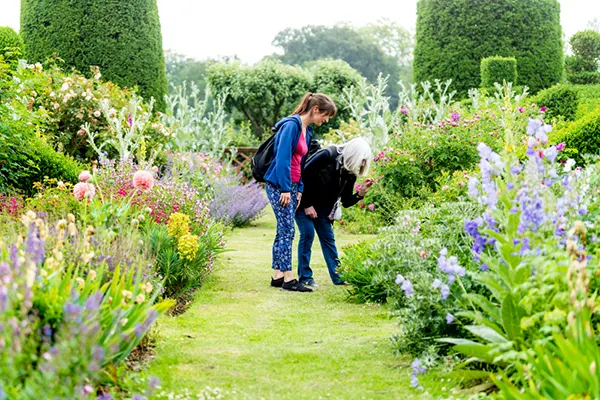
[{"x": 282, "y": 246}]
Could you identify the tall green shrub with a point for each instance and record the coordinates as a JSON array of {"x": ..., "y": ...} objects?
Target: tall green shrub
[
  {"x": 122, "y": 38},
  {"x": 498, "y": 69},
  {"x": 582, "y": 67},
  {"x": 582, "y": 135},
  {"x": 10, "y": 38},
  {"x": 454, "y": 35},
  {"x": 560, "y": 100}
]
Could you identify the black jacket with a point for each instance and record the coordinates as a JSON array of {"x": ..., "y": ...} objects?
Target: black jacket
[{"x": 325, "y": 180}]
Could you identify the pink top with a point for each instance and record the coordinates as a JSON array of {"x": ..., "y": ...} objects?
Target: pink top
[{"x": 300, "y": 152}]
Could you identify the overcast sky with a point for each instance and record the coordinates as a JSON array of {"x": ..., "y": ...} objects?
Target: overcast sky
[{"x": 246, "y": 28}]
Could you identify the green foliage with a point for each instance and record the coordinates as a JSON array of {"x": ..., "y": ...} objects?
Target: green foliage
[
  {"x": 410, "y": 248},
  {"x": 124, "y": 41},
  {"x": 498, "y": 70},
  {"x": 332, "y": 77},
  {"x": 342, "y": 42},
  {"x": 26, "y": 159},
  {"x": 576, "y": 64},
  {"x": 564, "y": 368},
  {"x": 586, "y": 44},
  {"x": 582, "y": 68},
  {"x": 584, "y": 78},
  {"x": 528, "y": 31},
  {"x": 10, "y": 39},
  {"x": 582, "y": 135},
  {"x": 261, "y": 94},
  {"x": 560, "y": 101},
  {"x": 182, "y": 274}
]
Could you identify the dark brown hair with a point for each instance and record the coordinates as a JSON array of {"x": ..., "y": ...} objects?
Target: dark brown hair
[{"x": 323, "y": 102}]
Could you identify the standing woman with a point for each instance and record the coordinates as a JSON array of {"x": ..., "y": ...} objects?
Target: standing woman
[
  {"x": 330, "y": 176},
  {"x": 284, "y": 180}
]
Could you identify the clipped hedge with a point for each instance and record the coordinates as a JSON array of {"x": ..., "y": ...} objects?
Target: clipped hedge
[
  {"x": 560, "y": 100},
  {"x": 582, "y": 135},
  {"x": 584, "y": 78},
  {"x": 123, "y": 39},
  {"x": 497, "y": 70},
  {"x": 9, "y": 38},
  {"x": 454, "y": 35}
]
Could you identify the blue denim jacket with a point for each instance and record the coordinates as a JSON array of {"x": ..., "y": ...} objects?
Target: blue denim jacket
[{"x": 279, "y": 173}]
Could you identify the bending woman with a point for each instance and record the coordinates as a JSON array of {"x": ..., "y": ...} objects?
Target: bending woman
[
  {"x": 284, "y": 180},
  {"x": 329, "y": 176}
]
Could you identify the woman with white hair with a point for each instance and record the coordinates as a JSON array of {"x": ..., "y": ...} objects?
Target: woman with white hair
[{"x": 329, "y": 178}]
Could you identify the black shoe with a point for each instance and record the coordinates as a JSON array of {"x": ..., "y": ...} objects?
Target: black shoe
[
  {"x": 277, "y": 282},
  {"x": 295, "y": 286}
]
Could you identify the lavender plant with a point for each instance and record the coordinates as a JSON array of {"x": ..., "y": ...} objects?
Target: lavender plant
[
  {"x": 237, "y": 205},
  {"x": 65, "y": 325}
]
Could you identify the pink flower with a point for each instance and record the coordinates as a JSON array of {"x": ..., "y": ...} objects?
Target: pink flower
[
  {"x": 560, "y": 146},
  {"x": 143, "y": 180},
  {"x": 361, "y": 206},
  {"x": 543, "y": 108},
  {"x": 84, "y": 189},
  {"x": 446, "y": 187},
  {"x": 357, "y": 187},
  {"x": 521, "y": 109},
  {"x": 371, "y": 207},
  {"x": 461, "y": 183},
  {"x": 84, "y": 176}
]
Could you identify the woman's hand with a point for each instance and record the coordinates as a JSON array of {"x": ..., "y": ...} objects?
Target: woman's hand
[
  {"x": 310, "y": 212},
  {"x": 284, "y": 199},
  {"x": 365, "y": 187},
  {"x": 299, "y": 197}
]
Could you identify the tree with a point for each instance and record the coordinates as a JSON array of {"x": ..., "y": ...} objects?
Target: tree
[
  {"x": 338, "y": 42},
  {"x": 582, "y": 67},
  {"x": 332, "y": 77},
  {"x": 261, "y": 93},
  {"x": 10, "y": 39},
  {"x": 123, "y": 39},
  {"x": 454, "y": 35},
  {"x": 395, "y": 41}
]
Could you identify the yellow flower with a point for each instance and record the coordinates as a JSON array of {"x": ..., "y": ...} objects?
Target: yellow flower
[
  {"x": 140, "y": 298},
  {"x": 179, "y": 225},
  {"x": 92, "y": 275},
  {"x": 80, "y": 282},
  {"x": 188, "y": 246},
  {"x": 127, "y": 294}
]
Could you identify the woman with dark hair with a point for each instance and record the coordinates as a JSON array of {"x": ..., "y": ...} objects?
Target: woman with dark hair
[
  {"x": 284, "y": 180},
  {"x": 329, "y": 179}
]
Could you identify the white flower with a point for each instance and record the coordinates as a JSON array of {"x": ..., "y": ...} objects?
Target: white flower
[{"x": 569, "y": 164}]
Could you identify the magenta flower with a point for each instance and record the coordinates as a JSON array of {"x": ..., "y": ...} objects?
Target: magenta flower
[
  {"x": 560, "y": 146},
  {"x": 543, "y": 108}
]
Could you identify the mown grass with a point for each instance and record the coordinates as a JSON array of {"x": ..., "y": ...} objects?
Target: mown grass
[{"x": 252, "y": 341}]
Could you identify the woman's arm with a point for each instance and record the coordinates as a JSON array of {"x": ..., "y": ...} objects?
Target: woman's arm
[
  {"x": 348, "y": 197},
  {"x": 283, "y": 159}
]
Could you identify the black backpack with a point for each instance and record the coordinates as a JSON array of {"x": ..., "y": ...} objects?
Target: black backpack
[
  {"x": 261, "y": 161},
  {"x": 264, "y": 156}
]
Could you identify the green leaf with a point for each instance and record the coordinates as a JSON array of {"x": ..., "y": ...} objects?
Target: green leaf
[
  {"x": 511, "y": 318},
  {"x": 476, "y": 350},
  {"x": 486, "y": 333}
]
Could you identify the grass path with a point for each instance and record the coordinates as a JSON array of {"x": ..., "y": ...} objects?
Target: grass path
[{"x": 256, "y": 342}]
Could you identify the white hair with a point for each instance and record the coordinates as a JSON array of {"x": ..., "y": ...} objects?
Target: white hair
[{"x": 353, "y": 154}]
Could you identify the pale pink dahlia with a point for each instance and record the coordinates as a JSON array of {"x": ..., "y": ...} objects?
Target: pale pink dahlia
[
  {"x": 84, "y": 189},
  {"x": 143, "y": 180}
]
